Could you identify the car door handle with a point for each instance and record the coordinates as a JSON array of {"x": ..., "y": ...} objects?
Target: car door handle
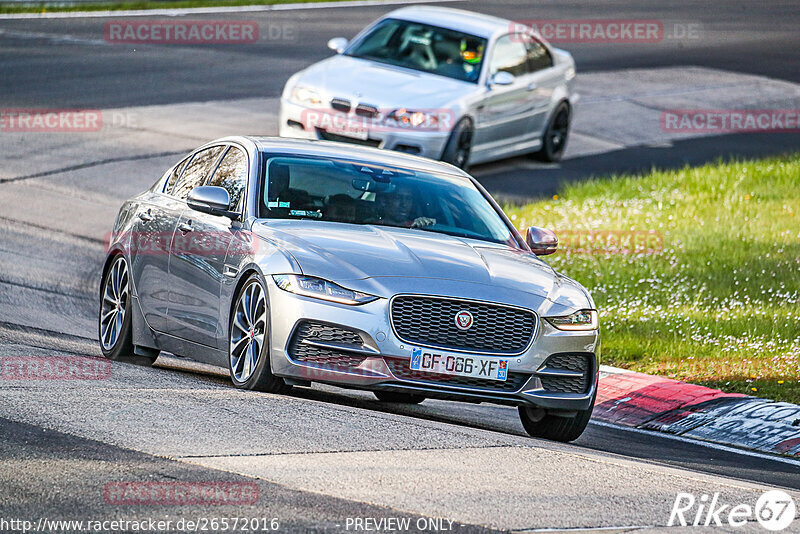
[
  {"x": 532, "y": 86},
  {"x": 146, "y": 216},
  {"x": 186, "y": 227}
]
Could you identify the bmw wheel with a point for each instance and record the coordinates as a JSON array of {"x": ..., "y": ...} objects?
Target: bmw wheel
[
  {"x": 116, "y": 338},
  {"x": 248, "y": 340},
  {"x": 554, "y": 140},
  {"x": 459, "y": 146}
]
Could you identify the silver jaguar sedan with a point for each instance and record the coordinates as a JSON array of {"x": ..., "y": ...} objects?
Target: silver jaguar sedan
[
  {"x": 442, "y": 83},
  {"x": 290, "y": 262}
]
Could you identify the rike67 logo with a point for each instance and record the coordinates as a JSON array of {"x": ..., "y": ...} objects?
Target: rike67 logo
[{"x": 774, "y": 510}]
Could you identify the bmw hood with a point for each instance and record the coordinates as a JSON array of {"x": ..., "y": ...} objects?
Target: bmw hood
[
  {"x": 385, "y": 260},
  {"x": 384, "y": 86}
]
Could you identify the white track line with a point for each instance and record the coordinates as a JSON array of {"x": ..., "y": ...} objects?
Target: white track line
[
  {"x": 586, "y": 529},
  {"x": 212, "y": 10},
  {"x": 53, "y": 38},
  {"x": 695, "y": 441}
]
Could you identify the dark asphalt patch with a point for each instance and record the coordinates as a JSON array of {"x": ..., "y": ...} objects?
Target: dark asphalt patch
[{"x": 63, "y": 477}]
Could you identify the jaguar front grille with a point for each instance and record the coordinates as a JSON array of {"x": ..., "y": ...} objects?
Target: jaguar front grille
[{"x": 431, "y": 321}]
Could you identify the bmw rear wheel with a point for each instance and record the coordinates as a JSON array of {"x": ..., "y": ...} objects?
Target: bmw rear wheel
[
  {"x": 248, "y": 340},
  {"x": 554, "y": 140}
]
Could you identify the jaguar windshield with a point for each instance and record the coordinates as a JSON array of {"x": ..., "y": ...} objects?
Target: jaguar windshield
[
  {"x": 423, "y": 47},
  {"x": 365, "y": 193}
]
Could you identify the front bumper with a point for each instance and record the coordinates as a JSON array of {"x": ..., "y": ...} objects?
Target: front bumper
[
  {"x": 301, "y": 122},
  {"x": 382, "y": 360}
]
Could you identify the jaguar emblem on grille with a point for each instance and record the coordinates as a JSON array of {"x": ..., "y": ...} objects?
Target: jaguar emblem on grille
[{"x": 464, "y": 320}]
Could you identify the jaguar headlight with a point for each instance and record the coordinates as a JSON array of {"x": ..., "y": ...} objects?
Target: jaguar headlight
[
  {"x": 305, "y": 95},
  {"x": 310, "y": 286},
  {"x": 580, "y": 320}
]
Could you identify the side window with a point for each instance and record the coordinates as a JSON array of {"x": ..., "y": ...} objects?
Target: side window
[
  {"x": 509, "y": 55},
  {"x": 232, "y": 174},
  {"x": 176, "y": 171},
  {"x": 538, "y": 56},
  {"x": 197, "y": 171},
  {"x": 158, "y": 185}
]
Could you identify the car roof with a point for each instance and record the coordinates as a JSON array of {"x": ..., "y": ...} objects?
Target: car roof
[
  {"x": 306, "y": 147},
  {"x": 461, "y": 20}
]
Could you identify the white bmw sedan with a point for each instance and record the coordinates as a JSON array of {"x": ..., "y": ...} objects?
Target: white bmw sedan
[{"x": 441, "y": 83}]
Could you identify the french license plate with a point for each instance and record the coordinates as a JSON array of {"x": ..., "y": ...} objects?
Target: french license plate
[
  {"x": 435, "y": 361},
  {"x": 349, "y": 129}
]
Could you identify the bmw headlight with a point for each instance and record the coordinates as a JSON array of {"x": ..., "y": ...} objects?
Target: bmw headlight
[
  {"x": 404, "y": 118},
  {"x": 580, "y": 320},
  {"x": 319, "y": 288},
  {"x": 305, "y": 95}
]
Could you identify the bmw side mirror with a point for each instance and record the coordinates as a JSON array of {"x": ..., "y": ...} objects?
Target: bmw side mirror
[
  {"x": 541, "y": 240},
  {"x": 211, "y": 199},
  {"x": 338, "y": 44},
  {"x": 502, "y": 78}
]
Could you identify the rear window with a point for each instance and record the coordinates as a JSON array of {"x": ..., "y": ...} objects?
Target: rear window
[
  {"x": 173, "y": 177},
  {"x": 197, "y": 171}
]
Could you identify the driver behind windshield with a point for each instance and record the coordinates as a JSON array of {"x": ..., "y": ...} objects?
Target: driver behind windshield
[
  {"x": 353, "y": 192},
  {"x": 399, "y": 208},
  {"x": 423, "y": 47}
]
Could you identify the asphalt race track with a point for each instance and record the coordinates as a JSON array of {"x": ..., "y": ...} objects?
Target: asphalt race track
[
  {"x": 66, "y": 63},
  {"x": 320, "y": 456}
]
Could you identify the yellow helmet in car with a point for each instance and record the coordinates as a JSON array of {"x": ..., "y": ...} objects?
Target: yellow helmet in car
[{"x": 471, "y": 51}]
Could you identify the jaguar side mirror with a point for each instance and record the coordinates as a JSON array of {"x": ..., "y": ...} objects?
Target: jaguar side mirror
[
  {"x": 541, "y": 240},
  {"x": 211, "y": 199}
]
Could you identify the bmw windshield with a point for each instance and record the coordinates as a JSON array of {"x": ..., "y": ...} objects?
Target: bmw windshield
[
  {"x": 423, "y": 47},
  {"x": 365, "y": 193}
]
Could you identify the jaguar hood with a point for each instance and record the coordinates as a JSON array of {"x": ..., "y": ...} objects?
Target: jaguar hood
[{"x": 376, "y": 255}]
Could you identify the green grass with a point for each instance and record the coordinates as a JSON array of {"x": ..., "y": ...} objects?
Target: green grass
[
  {"x": 49, "y": 7},
  {"x": 718, "y": 304}
]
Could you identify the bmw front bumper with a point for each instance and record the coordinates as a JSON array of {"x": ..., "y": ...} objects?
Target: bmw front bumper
[{"x": 299, "y": 122}]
